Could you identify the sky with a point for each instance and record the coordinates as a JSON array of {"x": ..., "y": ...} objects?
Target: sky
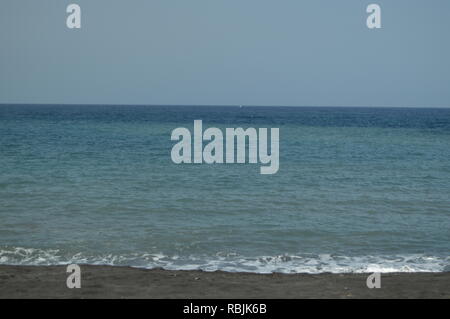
[{"x": 226, "y": 52}]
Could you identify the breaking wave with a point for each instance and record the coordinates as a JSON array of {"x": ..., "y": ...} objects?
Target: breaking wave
[{"x": 304, "y": 263}]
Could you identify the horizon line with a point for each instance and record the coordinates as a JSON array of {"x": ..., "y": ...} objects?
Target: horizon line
[{"x": 223, "y": 105}]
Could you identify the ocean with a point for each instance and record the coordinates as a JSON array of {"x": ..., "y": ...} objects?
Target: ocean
[{"x": 358, "y": 190}]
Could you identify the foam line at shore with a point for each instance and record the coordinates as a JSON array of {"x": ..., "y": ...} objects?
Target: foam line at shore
[{"x": 300, "y": 263}]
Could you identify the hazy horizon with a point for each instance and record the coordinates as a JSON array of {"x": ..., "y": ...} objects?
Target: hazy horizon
[
  {"x": 223, "y": 105},
  {"x": 252, "y": 53}
]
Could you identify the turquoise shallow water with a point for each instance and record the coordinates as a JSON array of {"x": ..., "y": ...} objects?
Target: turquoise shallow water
[{"x": 358, "y": 190}]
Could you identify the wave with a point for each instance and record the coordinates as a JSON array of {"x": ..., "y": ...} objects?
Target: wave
[{"x": 304, "y": 263}]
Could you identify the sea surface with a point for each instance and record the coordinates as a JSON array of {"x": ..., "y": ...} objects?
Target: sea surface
[{"x": 358, "y": 190}]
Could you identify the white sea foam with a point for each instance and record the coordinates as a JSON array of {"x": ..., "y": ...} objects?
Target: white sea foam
[{"x": 307, "y": 263}]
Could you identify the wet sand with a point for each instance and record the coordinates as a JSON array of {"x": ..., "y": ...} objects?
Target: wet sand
[{"x": 127, "y": 282}]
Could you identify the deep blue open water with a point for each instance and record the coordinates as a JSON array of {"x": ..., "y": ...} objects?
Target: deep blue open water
[{"x": 358, "y": 190}]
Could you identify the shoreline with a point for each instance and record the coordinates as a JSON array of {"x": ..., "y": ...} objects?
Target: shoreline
[{"x": 128, "y": 282}]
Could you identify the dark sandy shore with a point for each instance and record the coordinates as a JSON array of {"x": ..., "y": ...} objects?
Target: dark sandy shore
[{"x": 126, "y": 282}]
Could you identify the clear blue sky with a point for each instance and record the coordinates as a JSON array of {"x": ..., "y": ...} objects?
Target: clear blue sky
[{"x": 227, "y": 52}]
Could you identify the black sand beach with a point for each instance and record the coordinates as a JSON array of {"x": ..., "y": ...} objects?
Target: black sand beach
[{"x": 126, "y": 282}]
